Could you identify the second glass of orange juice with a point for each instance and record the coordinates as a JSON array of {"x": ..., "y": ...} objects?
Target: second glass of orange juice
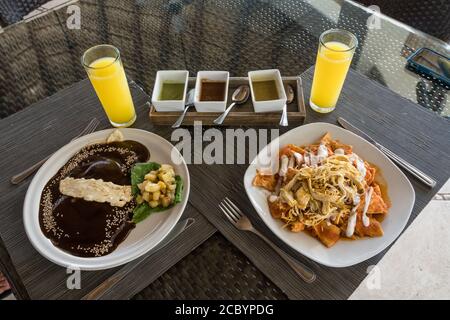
[
  {"x": 107, "y": 75},
  {"x": 336, "y": 49}
]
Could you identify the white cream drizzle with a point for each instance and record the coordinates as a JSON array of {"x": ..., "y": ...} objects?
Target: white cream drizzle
[
  {"x": 291, "y": 162},
  {"x": 307, "y": 159},
  {"x": 322, "y": 151},
  {"x": 284, "y": 165},
  {"x": 365, "y": 218},
  {"x": 298, "y": 157},
  {"x": 351, "y": 223},
  {"x": 356, "y": 199},
  {"x": 359, "y": 165}
]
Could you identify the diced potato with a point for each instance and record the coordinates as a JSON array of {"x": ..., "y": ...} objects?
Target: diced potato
[
  {"x": 162, "y": 185},
  {"x": 167, "y": 178},
  {"x": 165, "y": 201},
  {"x": 152, "y": 187},
  {"x": 151, "y": 177},
  {"x": 153, "y": 204},
  {"x": 166, "y": 167},
  {"x": 159, "y": 187}
]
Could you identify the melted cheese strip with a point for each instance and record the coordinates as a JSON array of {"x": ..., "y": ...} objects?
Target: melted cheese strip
[{"x": 96, "y": 190}]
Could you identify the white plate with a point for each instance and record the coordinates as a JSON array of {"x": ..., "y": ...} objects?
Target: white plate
[
  {"x": 344, "y": 253},
  {"x": 141, "y": 239}
]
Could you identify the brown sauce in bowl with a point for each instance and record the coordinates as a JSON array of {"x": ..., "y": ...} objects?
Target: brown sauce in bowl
[
  {"x": 87, "y": 228},
  {"x": 212, "y": 90}
]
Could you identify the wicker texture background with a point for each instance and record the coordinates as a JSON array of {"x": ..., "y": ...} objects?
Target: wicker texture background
[
  {"x": 215, "y": 270},
  {"x": 41, "y": 56},
  {"x": 12, "y": 11}
]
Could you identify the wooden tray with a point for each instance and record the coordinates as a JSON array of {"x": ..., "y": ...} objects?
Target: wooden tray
[{"x": 240, "y": 115}]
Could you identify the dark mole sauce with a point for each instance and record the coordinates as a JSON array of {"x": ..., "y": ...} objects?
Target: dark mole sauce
[{"x": 87, "y": 228}]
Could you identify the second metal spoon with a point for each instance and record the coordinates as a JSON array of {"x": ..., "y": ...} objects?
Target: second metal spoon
[
  {"x": 240, "y": 95},
  {"x": 189, "y": 103},
  {"x": 290, "y": 97}
]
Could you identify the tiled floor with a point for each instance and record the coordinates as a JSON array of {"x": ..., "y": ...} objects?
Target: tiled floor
[{"x": 418, "y": 265}]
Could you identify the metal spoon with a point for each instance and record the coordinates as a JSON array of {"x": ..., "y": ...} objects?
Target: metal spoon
[
  {"x": 290, "y": 97},
  {"x": 240, "y": 95},
  {"x": 189, "y": 103}
]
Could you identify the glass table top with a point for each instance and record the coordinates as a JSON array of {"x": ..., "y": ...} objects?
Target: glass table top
[{"x": 41, "y": 55}]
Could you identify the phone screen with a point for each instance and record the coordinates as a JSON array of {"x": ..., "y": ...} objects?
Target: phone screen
[{"x": 433, "y": 61}]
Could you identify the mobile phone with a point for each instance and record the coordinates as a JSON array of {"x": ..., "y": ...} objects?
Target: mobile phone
[{"x": 431, "y": 63}]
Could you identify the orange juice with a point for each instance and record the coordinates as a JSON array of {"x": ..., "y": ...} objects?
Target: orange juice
[
  {"x": 110, "y": 83},
  {"x": 333, "y": 61}
]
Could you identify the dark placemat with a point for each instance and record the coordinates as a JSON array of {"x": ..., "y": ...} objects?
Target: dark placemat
[
  {"x": 415, "y": 134},
  {"x": 28, "y": 136},
  {"x": 215, "y": 270}
]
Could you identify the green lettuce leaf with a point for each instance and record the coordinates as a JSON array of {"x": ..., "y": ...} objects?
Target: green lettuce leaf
[{"x": 138, "y": 173}]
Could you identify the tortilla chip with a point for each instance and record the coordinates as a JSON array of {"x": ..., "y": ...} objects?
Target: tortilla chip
[
  {"x": 377, "y": 205},
  {"x": 335, "y": 144},
  {"x": 277, "y": 208},
  {"x": 297, "y": 226},
  {"x": 326, "y": 139},
  {"x": 291, "y": 172},
  {"x": 376, "y": 189},
  {"x": 328, "y": 234},
  {"x": 373, "y": 230},
  {"x": 370, "y": 173},
  {"x": 289, "y": 149},
  {"x": 267, "y": 182}
]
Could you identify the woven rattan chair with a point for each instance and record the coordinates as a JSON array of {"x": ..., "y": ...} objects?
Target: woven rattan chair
[
  {"x": 429, "y": 16},
  {"x": 12, "y": 11}
]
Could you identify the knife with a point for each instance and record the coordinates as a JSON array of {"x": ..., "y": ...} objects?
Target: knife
[
  {"x": 422, "y": 177},
  {"x": 110, "y": 283}
]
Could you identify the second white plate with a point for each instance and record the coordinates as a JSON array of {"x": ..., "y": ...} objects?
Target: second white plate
[{"x": 344, "y": 253}]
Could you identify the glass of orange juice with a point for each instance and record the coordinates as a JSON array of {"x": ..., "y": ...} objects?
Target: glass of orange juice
[
  {"x": 107, "y": 75},
  {"x": 336, "y": 49}
]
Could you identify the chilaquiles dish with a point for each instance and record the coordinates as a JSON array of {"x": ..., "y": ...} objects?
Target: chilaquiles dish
[{"x": 326, "y": 190}]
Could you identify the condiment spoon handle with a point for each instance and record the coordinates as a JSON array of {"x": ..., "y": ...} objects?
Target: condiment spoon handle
[
  {"x": 181, "y": 117},
  {"x": 222, "y": 117}
]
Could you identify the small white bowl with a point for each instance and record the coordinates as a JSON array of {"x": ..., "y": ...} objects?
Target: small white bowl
[
  {"x": 211, "y": 106},
  {"x": 268, "y": 105},
  {"x": 176, "y": 76}
]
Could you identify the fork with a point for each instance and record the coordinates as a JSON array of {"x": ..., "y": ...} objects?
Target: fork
[
  {"x": 18, "y": 178},
  {"x": 241, "y": 222}
]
